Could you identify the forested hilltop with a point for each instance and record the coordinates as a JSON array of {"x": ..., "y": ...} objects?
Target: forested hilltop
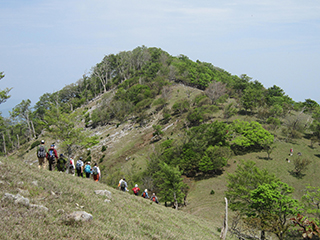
[{"x": 171, "y": 124}]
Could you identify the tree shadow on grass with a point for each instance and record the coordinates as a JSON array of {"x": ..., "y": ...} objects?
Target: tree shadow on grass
[
  {"x": 265, "y": 158},
  {"x": 203, "y": 176},
  {"x": 295, "y": 174},
  {"x": 317, "y": 155}
]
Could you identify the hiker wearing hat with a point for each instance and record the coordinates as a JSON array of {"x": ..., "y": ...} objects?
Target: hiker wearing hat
[
  {"x": 145, "y": 194},
  {"x": 41, "y": 154},
  {"x": 61, "y": 163},
  {"x": 52, "y": 155},
  {"x": 79, "y": 167},
  {"x": 154, "y": 198},
  {"x": 123, "y": 185},
  {"x": 136, "y": 190},
  {"x": 88, "y": 170}
]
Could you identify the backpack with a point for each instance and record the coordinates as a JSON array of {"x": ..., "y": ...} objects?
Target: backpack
[
  {"x": 123, "y": 185},
  {"x": 153, "y": 198},
  {"x": 61, "y": 163},
  {"x": 41, "y": 152},
  {"x": 51, "y": 156},
  {"x": 87, "y": 169},
  {"x": 135, "y": 190},
  {"x": 95, "y": 171},
  {"x": 144, "y": 194},
  {"x": 70, "y": 165},
  {"x": 78, "y": 166}
]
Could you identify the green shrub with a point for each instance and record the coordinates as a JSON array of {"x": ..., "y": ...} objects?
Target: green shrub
[
  {"x": 212, "y": 192},
  {"x": 101, "y": 159},
  {"x": 35, "y": 144},
  {"x": 103, "y": 148}
]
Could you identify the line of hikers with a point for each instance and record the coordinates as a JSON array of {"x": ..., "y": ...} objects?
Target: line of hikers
[
  {"x": 69, "y": 167},
  {"x": 62, "y": 165},
  {"x": 123, "y": 186}
]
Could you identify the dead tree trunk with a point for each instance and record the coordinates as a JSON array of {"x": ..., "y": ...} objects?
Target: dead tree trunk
[
  {"x": 4, "y": 145},
  {"x": 175, "y": 200},
  {"x": 18, "y": 143},
  {"x": 225, "y": 223},
  {"x": 33, "y": 131}
]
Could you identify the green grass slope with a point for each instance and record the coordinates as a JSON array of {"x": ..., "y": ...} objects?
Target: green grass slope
[{"x": 125, "y": 217}]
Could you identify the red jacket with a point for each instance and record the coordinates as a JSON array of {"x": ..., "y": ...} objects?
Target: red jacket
[
  {"x": 135, "y": 190},
  {"x": 55, "y": 153}
]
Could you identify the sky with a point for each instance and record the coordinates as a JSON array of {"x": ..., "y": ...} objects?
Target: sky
[{"x": 48, "y": 44}]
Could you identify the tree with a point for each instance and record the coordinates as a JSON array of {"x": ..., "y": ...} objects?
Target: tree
[
  {"x": 311, "y": 105},
  {"x": 300, "y": 165},
  {"x": 215, "y": 90},
  {"x": 271, "y": 205},
  {"x": 315, "y": 127},
  {"x": 250, "y": 136},
  {"x": 23, "y": 111},
  {"x": 251, "y": 98},
  {"x": 311, "y": 203},
  {"x": 214, "y": 159},
  {"x": 294, "y": 125},
  {"x": 62, "y": 126},
  {"x": 4, "y": 93},
  {"x": 268, "y": 148},
  {"x": 239, "y": 84},
  {"x": 246, "y": 178},
  {"x": 104, "y": 71},
  {"x": 170, "y": 184}
]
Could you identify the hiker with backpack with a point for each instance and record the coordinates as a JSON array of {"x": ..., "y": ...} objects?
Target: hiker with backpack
[
  {"x": 52, "y": 155},
  {"x": 96, "y": 173},
  {"x": 79, "y": 167},
  {"x": 61, "y": 163},
  {"x": 41, "y": 154},
  {"x": 70, "y": 167},
  {"x": 145, "y": 194},
  {"x": 154, "y": 198},
  {"x": 136, "y": 190},
  {"x": 123, "y": 185},
  {"x": 88, "y": 170}
]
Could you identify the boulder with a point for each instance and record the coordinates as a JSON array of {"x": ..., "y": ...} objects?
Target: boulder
[
  {"x": 22, "y": 200},
  {"x": 41, "y": 207},
  {"x": 104, "y": 193},
  {"x": 17, "y": 199},
  {"x": 81, "y": 216},
  {"x": 9, "y": 197}
]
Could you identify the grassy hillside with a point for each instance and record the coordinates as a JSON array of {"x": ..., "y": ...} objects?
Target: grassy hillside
[
  {"x": 125, "y": 217},
  {"x": 110, "y": 117},
  {"x": 128, "y": 147}
]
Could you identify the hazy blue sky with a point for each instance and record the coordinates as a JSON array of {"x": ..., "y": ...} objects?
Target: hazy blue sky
[{"x": 47, "y": 44}]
